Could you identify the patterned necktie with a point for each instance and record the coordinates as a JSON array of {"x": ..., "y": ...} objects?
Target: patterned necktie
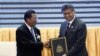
[{"x": 33, "y": 34}]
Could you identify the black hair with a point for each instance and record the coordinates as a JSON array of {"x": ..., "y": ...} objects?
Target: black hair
[
  {"x": 67, "y": 6},
  {"x": 28, "y": 14}
]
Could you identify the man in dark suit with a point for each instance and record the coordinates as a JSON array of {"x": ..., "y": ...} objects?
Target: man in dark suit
[
  {"x": 75, "y": 32},
  {"x": 28, "y": 36}
]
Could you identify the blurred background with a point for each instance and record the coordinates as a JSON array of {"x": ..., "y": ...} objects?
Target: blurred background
[
  {"x": 48, "y": 12},
  {"x": 49, "y": 15}
]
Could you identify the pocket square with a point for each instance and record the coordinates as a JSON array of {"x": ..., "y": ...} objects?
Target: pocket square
[{"x": 38, "y": 36}]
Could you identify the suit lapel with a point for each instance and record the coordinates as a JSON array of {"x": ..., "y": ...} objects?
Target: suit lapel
[
  {"x": 28, "y": 31},
  {"x": 35, "y": 32},
  {"x": 73, "y": 24},
  {"x": 71, "y": 29}
]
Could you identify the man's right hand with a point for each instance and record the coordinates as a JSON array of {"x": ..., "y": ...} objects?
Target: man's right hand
[{"x": 46, "y": 44}]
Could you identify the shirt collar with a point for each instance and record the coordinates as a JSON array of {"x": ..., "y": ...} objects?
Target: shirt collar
[{"x": 72, "y": 20}]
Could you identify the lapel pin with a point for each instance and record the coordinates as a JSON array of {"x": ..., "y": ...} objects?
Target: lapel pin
[{"x": 72, "y": 27}]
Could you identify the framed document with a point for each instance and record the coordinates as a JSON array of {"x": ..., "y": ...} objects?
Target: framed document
[{"x": 59, "y": 46}]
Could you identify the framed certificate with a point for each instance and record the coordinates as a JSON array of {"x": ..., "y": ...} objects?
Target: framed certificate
[{"x": 59, "y": 46}]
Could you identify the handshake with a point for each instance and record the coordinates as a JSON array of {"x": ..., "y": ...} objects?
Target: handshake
[{"x": 46, "y": 44}]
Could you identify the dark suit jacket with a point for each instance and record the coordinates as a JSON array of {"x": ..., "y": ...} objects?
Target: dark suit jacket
[
  {"x": 75, "y": 36},
  {"x": 26, "y": 45}
]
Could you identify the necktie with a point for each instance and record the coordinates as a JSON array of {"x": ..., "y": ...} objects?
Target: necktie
[
  {"x": 33, "y": 34},
  {"x": 68, "y": 26}
]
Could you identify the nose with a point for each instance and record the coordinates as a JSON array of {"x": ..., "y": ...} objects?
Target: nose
[{"x": 67, "y": 15}]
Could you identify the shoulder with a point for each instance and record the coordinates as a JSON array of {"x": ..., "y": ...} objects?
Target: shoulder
[
  {"x": 80, "y": 21},
  {"x": 81, "y": 24},
  {"x": 21, "y": 28},
  {"x": 63, "y": 23}
]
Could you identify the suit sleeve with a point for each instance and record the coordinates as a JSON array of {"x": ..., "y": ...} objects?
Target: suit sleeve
[
  {"x": 25, "y": 42},
  {"x": 81, "y": 35},
  {"x": 60, "y": 35}
]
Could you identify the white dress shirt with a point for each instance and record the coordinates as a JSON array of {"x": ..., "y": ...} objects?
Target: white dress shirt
[
  {"x": 33, "y": 33},
  {"x": 70, "y": 22}
]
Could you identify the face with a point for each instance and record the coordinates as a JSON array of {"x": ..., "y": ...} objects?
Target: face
[
  {"x": 68, "y": 14},
  {"x": 33, "y": 20}
]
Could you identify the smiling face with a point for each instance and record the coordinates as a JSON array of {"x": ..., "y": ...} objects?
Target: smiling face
[{"x": 68, "y": 14}]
